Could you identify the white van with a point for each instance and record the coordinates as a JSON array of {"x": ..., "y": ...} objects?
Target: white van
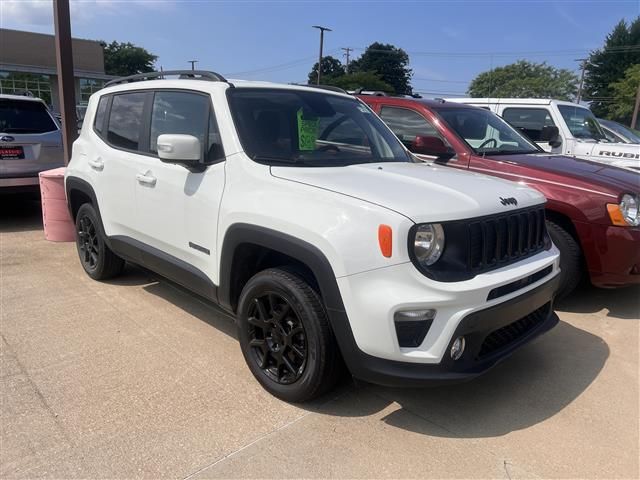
[{"x": 578, "y": 132}]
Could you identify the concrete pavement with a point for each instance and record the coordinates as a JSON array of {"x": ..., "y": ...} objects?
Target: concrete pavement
[{"x": 135, "y": 378}]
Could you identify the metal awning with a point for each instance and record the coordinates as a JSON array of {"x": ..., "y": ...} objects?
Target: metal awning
[{"x": 7, "y": 67}]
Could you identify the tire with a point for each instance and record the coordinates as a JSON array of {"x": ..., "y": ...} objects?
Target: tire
[
  {"x": 570, "y": 259},
  {"x": 285, "y": 336},
  {"x": 96, "y": 257}
]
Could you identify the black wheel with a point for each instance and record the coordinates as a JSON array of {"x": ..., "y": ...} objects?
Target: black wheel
[
  {"x": 96, "y": 258},
  {"x": 285, "y": 336},
  {"x": 570, "y": 259}
]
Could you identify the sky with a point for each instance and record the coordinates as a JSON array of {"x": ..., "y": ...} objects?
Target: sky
[{"x": 448, "y": 42}]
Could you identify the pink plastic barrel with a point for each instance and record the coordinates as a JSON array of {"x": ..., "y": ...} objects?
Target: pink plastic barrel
[{"x": 58, "y": 226}]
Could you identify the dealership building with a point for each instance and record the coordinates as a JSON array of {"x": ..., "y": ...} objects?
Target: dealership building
[{"x": 28, "y": 64}]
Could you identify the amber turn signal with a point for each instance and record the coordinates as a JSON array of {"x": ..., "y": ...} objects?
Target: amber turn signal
[
  {"x": 615, "y": 214},
  {"x": 385, "y": 241}
]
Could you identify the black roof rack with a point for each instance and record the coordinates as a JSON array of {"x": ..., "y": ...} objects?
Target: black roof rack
[
  {"x": 183, "y": 74},
  {"x": 331, "y": 88}
]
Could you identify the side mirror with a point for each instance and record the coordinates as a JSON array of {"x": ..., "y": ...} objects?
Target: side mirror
[
  {"x": 552, "y": 135},
  {"x": 181, "y": 149},
  {"x": 432, "y": 146},
  {"x": 555, "y": 142}
]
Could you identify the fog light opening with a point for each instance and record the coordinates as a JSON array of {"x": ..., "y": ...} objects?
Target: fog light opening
[
  {"x": 412, "y": 326},
  {"x": 457, "y": 349}
]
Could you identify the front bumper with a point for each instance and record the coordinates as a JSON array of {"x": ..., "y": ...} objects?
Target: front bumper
[
  {"x": 612, "y": 254},
  {"x": 491, "y": 335}
]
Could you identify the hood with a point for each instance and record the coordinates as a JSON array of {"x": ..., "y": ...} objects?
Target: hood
[
  {"x": 419, "y": 191},
  {"x": 614, "y": 180}
]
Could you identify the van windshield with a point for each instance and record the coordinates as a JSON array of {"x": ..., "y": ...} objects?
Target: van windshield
[
  {"x": 485, "y": 132},
  {"x": 302, "y": 128},
  {"x": 581, "y": 122}
]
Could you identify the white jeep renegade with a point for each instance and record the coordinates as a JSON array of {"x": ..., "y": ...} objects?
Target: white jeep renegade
[{"x": 297, "y": 210}]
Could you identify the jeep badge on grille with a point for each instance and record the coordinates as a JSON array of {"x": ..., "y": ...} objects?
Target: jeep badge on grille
[{"x": 509, "y": 201}]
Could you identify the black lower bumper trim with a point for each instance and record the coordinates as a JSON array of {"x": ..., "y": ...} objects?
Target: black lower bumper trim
[{"x": 508, "y": 326}]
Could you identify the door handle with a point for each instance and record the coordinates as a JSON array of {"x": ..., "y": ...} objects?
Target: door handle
[
  {"x": 97, "y": 164},
  {"x": 146, "y": 179}
]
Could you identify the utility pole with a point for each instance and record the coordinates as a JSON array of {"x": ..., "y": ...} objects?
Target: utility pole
[
  {"x": 347, "y": 51},
  {"x": 322, "y": 30},
  {"x": 583, "y": 66},
  {"x": 193, "y": 63},
  {"x": 634, "y": 118},
  {"x": 66, "y": 84}
]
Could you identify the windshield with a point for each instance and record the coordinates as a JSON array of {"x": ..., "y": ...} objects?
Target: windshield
[
  {"x": 581, "y": 122},
  {"x": 631, "y": 135},
  {"x": 485, "y": 132},
  {"x": 24, "y": 116},
  {"x": 310, "y": 129}
]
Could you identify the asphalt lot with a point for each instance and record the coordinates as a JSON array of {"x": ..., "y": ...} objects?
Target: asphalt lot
[{"x": 136, "y": 378}]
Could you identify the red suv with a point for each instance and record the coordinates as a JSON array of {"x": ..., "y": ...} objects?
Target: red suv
[{"x": 593, "y": 212}]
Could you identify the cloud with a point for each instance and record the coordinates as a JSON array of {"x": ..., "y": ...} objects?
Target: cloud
[
  {"x": 568, "y": 17},
  {"x": 14, "y": 13},
  {"x": 451, "y": 32},
  {"x": 26, "y": 14}
]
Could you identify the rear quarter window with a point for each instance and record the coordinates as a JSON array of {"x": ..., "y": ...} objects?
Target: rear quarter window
[
  {"x": 25, "y": 116},
  {"x": 98, "y": 123}
]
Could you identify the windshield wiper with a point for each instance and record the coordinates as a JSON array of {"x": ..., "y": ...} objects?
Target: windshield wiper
[{"x": 274, "y": 159}]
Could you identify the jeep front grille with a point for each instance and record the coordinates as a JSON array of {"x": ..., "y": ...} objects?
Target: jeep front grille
[
  {"x": 504, "y": 239},
  {"x": 478, "y": 245}
]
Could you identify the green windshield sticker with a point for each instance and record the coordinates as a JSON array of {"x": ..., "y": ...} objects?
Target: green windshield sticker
[{"x": 307, "y": 132}]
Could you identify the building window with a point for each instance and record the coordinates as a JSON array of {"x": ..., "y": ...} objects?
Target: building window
[
  {"x": 17, "y": 83},
  {"x": 88, "y": 86}
]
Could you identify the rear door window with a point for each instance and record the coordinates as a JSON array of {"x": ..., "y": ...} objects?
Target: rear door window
[
  {"x": 125, "y": 120},
  {"x": 25, "y": 116},
  {"x": 535, "y": 123}
]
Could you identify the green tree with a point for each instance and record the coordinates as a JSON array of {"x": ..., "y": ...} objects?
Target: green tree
[
  {"x": 124, "y": 59},
  {"x": 525, "y": 79},
  {"x": 624, "y": 96},
  {"x": 331, "y": 67},
  {"x": 390, "y": 63},
  {"x": 608, "y": 65},
  {"x": 364, "y": 80}
]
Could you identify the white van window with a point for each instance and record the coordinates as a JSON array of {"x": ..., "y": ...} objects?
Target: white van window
[
  {"x": 581, "y": 122},
  {"x": 535, "y": 123}
]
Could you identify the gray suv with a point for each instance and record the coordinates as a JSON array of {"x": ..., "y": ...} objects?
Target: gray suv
[{"x": 30, "y": 141}]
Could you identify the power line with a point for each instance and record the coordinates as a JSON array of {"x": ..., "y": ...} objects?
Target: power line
[
  {"x": 617, "y": 49},
  {"x": 439, "y": 80},
  {"x": 455, "y": 94},
  {"x": 583, "y": 67},
  {"x": 282, "y": 66},
  {"x": 347, "y": 53},
  {"x": 322, "y": 30}
]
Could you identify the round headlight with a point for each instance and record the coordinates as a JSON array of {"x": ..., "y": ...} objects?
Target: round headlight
[
  {"x": 428, "y": 243},
  {"x": 630, "y": 209}
]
